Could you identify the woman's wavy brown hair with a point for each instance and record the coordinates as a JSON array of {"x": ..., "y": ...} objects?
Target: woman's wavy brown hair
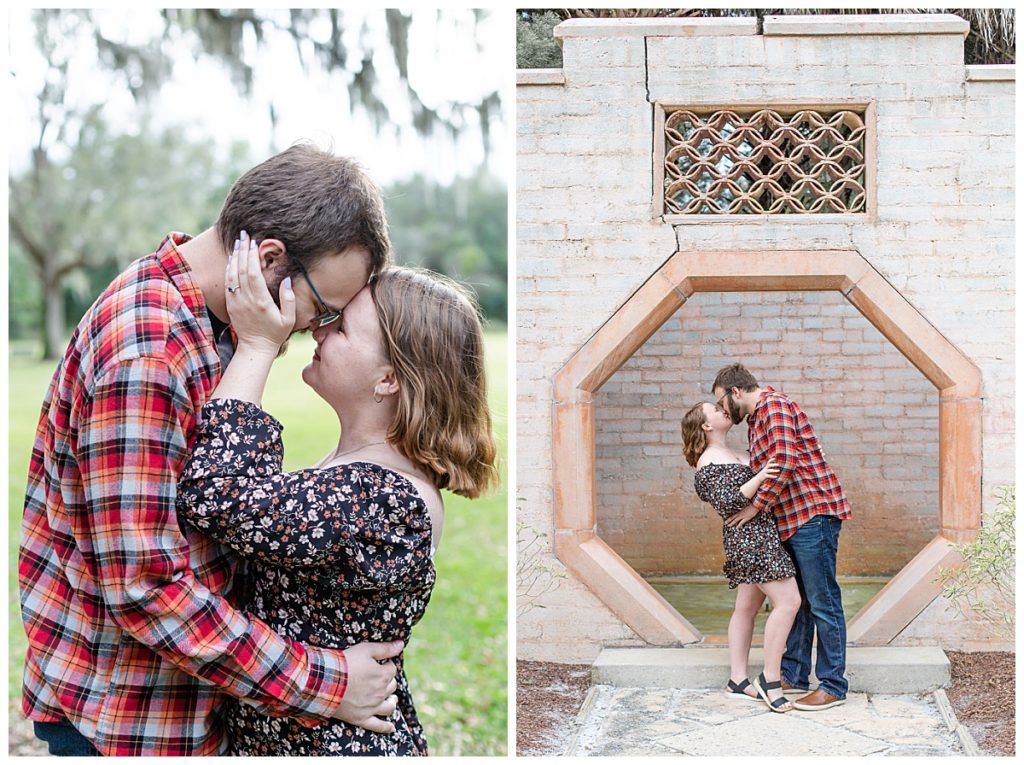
[
  {"x": 694, "y": 440},
  {"x": 434, "y": 341}
]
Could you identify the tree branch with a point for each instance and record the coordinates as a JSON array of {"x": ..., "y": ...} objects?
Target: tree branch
[
  {"x": 67, "y": 268},
  {"x": 36, "y": 252}
]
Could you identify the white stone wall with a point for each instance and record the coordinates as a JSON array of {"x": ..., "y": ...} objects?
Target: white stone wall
[{"x": 943, "y": 234}]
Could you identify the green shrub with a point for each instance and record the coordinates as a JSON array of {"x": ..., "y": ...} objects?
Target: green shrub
[
  {"x": 536, "y": 47},
  {"x": 984, "y": 587},
  {"x": 534, "y": 578}
]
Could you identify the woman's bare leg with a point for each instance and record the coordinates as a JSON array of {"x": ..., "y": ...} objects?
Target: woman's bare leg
[
  {"x": 785, "y": 597},
  {"x": 741, "y": 630}
]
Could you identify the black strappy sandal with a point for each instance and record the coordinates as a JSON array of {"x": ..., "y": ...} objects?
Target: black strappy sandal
[
  {"x": 733, "y": 690},
  {"x": 762, "y": 686}
]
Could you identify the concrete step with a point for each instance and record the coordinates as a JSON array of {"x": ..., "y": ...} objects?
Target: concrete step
[{"x": 869, "y": 670}]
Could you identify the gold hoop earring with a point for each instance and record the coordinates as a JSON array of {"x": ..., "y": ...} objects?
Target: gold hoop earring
[{"x": 377, "y": 397}]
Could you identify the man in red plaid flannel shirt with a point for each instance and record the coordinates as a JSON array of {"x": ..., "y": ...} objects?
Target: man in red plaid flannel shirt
[
  {"x": 132, "y": 643},
  {"x": 809, "y": 506}
]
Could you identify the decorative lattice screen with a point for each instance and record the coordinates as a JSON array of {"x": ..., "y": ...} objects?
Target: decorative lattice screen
[{"x": 764, "y": 161}]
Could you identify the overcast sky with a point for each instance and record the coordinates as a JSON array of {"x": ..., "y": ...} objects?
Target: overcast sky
[{"x": 444, "y": 64}]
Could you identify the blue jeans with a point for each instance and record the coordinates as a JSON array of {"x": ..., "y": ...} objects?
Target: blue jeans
[
  {"x": 813, "y": 549},
  {"x": 64, "y": 739}
]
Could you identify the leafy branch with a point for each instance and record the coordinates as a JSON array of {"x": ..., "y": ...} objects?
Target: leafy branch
[
  {"x": 534, "y": 578},
  {"x": 984, "y": 586}
]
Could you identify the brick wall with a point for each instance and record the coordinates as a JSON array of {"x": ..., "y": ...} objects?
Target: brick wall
[
  {"x": 876, "y": 417},
  {"x": 587, "y": 239}
]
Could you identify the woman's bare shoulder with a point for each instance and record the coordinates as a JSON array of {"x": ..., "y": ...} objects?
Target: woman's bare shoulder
[{"x": 714, "y": 456}]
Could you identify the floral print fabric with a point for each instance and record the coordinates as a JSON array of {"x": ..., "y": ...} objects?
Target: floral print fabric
[
  {"x": 335, "y": 556},
  {"x": 753, "y": 553}
]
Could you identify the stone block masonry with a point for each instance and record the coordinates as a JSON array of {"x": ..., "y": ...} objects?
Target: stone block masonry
[{"x": 587, "y": 238}]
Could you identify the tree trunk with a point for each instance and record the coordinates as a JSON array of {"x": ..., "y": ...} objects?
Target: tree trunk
[{"x": 53, "y": 320}]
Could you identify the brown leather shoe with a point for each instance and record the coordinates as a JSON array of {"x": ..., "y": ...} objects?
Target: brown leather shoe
[
  {"x": 817, "y": 699},
  {"x": 790, "y": 690}
]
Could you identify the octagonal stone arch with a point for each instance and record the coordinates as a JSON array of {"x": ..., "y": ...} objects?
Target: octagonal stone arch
[{"x": 577, "y": 542}]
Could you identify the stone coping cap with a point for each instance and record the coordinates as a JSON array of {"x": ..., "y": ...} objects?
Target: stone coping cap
[
  {"x": 879, "y": 24},
  {"x": 648, "y": 27},
  {"x": 540, "y": 77},
  {"x": 991, "y": 72},
  {"x": 929, "y": 655}
]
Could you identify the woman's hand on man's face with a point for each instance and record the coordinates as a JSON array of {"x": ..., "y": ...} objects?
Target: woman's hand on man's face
[{"x": 256, "y": 319}]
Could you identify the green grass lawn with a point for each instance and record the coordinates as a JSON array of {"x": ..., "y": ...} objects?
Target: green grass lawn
[{"x": 457, "y": 657}]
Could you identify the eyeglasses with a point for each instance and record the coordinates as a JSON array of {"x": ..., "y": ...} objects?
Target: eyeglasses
[
  {"x": 326, "y": 315},
  {"x": 723, "y": 398}
]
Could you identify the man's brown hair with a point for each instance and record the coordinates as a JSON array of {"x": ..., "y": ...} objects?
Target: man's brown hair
[
  {"x": 434, "y": 341},
  {"x": 734, "y": 376},
  {"x": 316, "y": 203}
]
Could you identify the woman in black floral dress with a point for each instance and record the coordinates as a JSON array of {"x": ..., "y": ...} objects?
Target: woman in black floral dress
[
  {"x": 342, "y": 553},
  {"x": 756, "y": 564}
]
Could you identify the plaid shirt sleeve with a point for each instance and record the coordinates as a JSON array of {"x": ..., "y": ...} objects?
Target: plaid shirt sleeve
[
  {"x": 778, "y": 432},
  {"x": 131, "y": 446}
]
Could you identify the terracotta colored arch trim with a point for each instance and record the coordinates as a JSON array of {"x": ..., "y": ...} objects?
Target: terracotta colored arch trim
[{"x": 958, "y": 380}]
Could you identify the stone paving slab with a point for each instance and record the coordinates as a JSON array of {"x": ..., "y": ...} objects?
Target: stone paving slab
[
  {"x": 779, "y": 734},
  {"x": 673, "y": 722}
]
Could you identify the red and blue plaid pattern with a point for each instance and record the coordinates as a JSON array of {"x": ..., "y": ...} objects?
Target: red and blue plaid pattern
[
  {"x": 805, "y": 486},
  {"x": 130, "y": 636}
]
